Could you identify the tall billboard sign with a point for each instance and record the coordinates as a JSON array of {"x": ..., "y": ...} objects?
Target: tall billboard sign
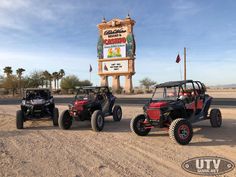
[{"x": 116, "y": 52}]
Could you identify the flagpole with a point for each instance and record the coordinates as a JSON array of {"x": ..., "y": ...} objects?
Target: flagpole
[
  {"x": 185, "y": 68},
  {"x": 180, "y": 68},
  {"x": 90, "y": 70}
]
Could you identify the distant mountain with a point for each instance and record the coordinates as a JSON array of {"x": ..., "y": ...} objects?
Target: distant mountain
[{"x": 224, "y": 86}]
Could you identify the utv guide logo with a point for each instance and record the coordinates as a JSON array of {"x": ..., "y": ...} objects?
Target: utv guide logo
[{"x": 208, "y": 165}]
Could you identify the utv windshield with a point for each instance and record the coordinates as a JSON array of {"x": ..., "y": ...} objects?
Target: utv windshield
[
  {"x": 85, "y": 95},
  {"x": 37, "y": 94},
  {"x": 166, "y": 93}
]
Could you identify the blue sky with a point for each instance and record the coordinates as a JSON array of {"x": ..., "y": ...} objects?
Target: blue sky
[{"x": 49, "y": 34}]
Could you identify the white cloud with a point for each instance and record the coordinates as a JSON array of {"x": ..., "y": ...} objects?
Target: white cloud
[
  {"x": 183, "y": 5},
  {"x": 10, "y": 23},
  {"x": 8, "y": 9},
  {"x": 184, "y": 8},
  {"x": 13, "y": 4},
  {"x": 20, "y": 14}
]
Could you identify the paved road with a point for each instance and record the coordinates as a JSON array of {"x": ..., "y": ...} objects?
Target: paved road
[{"x": 221, "y": 102}]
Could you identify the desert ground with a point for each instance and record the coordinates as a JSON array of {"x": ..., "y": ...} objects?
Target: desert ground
[
  {"x": 215, "y": 93},
  {"x": 43, "y": 150}
]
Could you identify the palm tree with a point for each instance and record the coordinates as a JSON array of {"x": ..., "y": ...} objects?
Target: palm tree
[
  {"x": 55, "y": 78},
  {"x": 47, "y": 77},
  {"x": 19, "y": 73},
  {"x": 61, "y": 75},
  {"x": 50, "y": 78},
  {"x": 42, "y": 79},
  {"x": 7, "y": 71}
]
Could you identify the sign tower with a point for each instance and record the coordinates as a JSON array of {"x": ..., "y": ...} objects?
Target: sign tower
[{"x": 116, "y": 52}]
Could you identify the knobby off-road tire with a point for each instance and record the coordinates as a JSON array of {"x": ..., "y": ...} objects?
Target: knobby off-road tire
[
  {"x": 181, "y": 131},
  {"x": 65, "y": 120},
  {"x": 117, "y": 113},
  {"x": 136, "y": 125},
  {"x": 97, "y": 121},
  {"x": 215, "y": 118},
  {"x": 19, "y": 119},
  {"x": 55, "y": 116}
]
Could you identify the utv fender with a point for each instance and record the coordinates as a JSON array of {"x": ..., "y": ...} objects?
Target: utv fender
[
  {"x": 95, "y": 108},
  {"x": 207, "y": 105}
]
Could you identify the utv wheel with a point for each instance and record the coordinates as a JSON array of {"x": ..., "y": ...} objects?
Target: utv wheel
[
  {"x": 65, "y": 120},
  {"x": 181, "y": 131},
  {"x": 137, "y": 125},
  {"x": 117, "y": 113},
  {"x": 19, "y": 119},
  {"x": 55, "y": 116},
  {"x": 215, "y": 118},
  {"x": 97, "y": 121}
]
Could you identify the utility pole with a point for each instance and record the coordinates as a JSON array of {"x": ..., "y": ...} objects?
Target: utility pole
[{"x": 185, "y": 64}]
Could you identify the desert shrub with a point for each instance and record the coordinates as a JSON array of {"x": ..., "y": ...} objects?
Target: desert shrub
[{"x": 139, "y": 92}]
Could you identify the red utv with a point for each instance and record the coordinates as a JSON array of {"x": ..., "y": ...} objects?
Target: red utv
[
  {"x": 93, "y": 104},
  {"x": 176, "y": 105}
]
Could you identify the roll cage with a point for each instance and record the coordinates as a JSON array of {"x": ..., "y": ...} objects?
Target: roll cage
[
  {"x": 34, "y": 93},
  {"x": 186, "y": 88},
  {"x": 92, "y": 93}
]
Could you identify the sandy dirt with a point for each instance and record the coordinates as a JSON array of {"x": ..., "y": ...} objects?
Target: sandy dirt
[{"x": 43, "y": 150}]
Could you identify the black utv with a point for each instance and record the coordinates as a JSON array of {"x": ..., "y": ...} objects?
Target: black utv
[{"x": 36, "y": 104}]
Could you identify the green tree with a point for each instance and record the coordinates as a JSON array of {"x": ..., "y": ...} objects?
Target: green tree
[
  {"x": 25, "y": 82},
  {"x": 8, "y": 71},
  {"x": 55, "y": 76},
  {"x": 72, "y": 81},
  {"x": 69, "y": 82},
  {"x": 1, "y": 80},
  {"x": 42, "y": 79},
  {"x": 34, "y": 80},
  {"x": 19, "y": 73},
  {"x": 10, "y": 83},
  {"x": 47, "y": 77},
  {"x": 61, "y": 75},
  {"x": 85, "y": 83},
  {"x": 147, "y": 83},
  {"x": 50, "y": 80}
]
